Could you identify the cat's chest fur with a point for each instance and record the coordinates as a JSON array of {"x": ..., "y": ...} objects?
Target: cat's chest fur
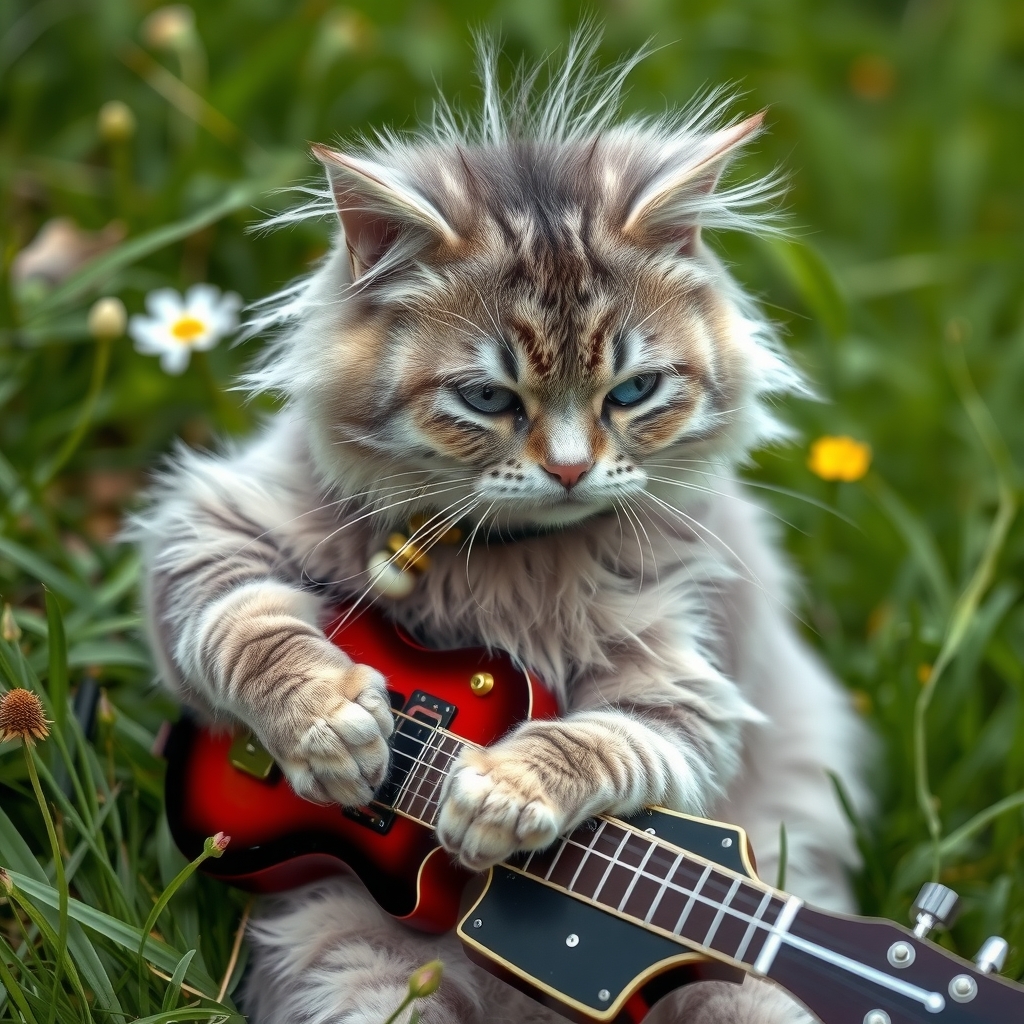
[{"x": 565, "y": 605}]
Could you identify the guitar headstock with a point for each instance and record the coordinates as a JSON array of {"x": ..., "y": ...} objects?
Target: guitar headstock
[{"x": 869, "y": 971}]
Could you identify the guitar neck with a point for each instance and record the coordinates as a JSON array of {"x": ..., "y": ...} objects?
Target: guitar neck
[
  {"x": 839, "y": 967},
  {"x": 623, "y": 870}
]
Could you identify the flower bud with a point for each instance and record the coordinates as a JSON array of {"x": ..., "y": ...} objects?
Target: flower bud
[
  {"x": 168, "y": 28},
  {"x": 216, "y": 845},
  {"x": 107, "y": 319},
  {"x": 9, "y": 629},
  {"x": 426, "y": 980},
  {"x": 105, "y": 712},
  {"x": 116, "y": 121}
]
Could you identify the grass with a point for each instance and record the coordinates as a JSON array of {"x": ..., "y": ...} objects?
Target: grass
[{"x": 899, "y": 291}]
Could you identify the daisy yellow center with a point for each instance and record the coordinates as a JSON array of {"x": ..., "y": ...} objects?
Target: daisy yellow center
[{"x": 187, "y": 329}]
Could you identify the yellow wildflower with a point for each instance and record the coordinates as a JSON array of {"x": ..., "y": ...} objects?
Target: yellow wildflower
[{"x": 839, "y": 458}]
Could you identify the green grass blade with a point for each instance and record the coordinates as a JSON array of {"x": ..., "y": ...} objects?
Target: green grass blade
[
  {"x": 10, "y": 986},
  {"x": 57, "y": 652},
  {"x": 127, "y": 936},
  {"x": 174, "y": 985},
  {"x": 98, "y": 271},
  {"x": 31, "y": 563}
]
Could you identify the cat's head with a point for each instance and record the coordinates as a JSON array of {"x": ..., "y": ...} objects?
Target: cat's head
[{"x": 523, "y": 324}]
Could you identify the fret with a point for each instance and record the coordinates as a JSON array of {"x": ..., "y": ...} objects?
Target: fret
[
  {"x": 433, "y": 804},
  {"x": 624, "y": 871},
  {"x": 612, "y": 861},
  {"x": 576, "y": 874},
  {"x": 570, "y": 864},
  {"x": 562, "y": 862},
  {"x": 752, "y": 927},
  {"x": 710, "y": 895},
  {"x": 639, "y": 873},
  {"x": 540, "y": 860},
  {"x": 765, "y": 959},
  {"x": 412, "y": 774},
  {"x": 666, "y": 883},
  {"x": 709, "y": 938},
  {"x": 691, "y": 902},
  {"x": 558, "y": 855},
  {"x": 428, "y": 766}
]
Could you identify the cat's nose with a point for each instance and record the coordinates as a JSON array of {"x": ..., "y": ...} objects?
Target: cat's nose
[{"x": 568, "y": 476}]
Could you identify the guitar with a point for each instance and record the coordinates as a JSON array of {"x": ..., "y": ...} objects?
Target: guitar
[{"x": 601, "y": 924}]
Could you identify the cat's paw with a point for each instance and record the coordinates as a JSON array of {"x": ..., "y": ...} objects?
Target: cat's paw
[
  {"x": 331, "y": 738},
  {"x": 495, "y": 803}
]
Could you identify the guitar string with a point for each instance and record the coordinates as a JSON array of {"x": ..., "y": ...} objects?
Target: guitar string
[
  {"x": 695, "y": 894},
  {"x": 933, "y": 1001}
]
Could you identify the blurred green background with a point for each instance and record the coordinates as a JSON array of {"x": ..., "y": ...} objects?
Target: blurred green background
[{"x": 899, "y": 290}]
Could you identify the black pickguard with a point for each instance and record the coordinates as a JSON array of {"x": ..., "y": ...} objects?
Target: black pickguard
[{"x": 524, "y": 924}]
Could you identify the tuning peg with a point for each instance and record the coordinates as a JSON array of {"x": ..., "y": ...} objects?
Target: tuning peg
[
  {"x": 935, "y": 907},
  {"x": 992, "y": 955}
]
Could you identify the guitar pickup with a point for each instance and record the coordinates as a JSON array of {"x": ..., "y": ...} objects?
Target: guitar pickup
[{"x": 248, "y": 755}]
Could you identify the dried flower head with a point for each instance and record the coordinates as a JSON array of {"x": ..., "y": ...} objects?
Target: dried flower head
[
  {"x": 21, "y": 717},
  {"x": 839, "y": 458},
  {"x": 426, "y": 980},
  {"x": 59, "y": 248}
]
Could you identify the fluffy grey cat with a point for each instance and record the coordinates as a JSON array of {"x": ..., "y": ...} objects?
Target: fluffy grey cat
[{"x": 519, "y": 328}]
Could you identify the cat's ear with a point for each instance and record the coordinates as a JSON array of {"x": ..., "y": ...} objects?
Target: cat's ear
[
  {"x": 666, "y": 210},
  {"x": 378, "y": 208}
]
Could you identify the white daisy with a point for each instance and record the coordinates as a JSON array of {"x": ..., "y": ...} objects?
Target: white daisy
[{"x": 178, "y": 324}]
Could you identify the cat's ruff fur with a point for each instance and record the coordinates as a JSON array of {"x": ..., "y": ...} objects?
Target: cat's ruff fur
[{"x": 545, "y": 257}]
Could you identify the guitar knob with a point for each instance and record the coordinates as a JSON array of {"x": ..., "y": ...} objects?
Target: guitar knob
[
  {"x": 992, "y": 955},
  {"x": 936, "y": 906}
]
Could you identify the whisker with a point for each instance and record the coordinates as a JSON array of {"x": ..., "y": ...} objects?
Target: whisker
[
  {"x": 418, "y": 495},
  {"x": 686, "y": 485},
  {"x": 464, "y": 505},
  {"x": 711, "y": 533}
]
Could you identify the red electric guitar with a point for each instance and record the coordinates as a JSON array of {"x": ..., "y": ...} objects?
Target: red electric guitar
[{"x": 600, "y": 925}]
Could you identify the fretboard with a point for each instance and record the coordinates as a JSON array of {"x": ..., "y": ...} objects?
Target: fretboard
[
  {"x": 639, "y": 877},
  {"x": 611, "y": 865},
  {"x": 421, "y": 757}
]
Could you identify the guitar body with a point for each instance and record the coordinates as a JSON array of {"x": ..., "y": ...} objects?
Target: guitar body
[
  {"x": 279, "y": 840},
  {"x": 576, "y": 957}
]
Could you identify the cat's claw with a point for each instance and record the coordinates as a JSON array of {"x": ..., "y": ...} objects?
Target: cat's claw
[{"x": 491, "y": 808}]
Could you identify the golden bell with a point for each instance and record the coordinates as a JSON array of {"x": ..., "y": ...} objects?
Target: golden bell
[{"x": 408, "y": 554}]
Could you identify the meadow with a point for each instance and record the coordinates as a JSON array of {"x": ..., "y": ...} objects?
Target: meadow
[{"x": 161, "y": 141}]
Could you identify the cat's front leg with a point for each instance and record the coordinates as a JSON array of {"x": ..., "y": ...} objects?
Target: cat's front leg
[
  {"x": 324, "y": 718},
  {"x": 549, "y": 776},
  {"x": 661, "y": 731}
]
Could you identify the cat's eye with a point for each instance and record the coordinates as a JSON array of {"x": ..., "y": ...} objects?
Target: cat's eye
[
  {"x": 489, "y": 398},
  {"x": 634, "y": 390}
]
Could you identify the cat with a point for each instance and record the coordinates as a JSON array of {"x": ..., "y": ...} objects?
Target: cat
[{"x": 520, "y": 331}]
